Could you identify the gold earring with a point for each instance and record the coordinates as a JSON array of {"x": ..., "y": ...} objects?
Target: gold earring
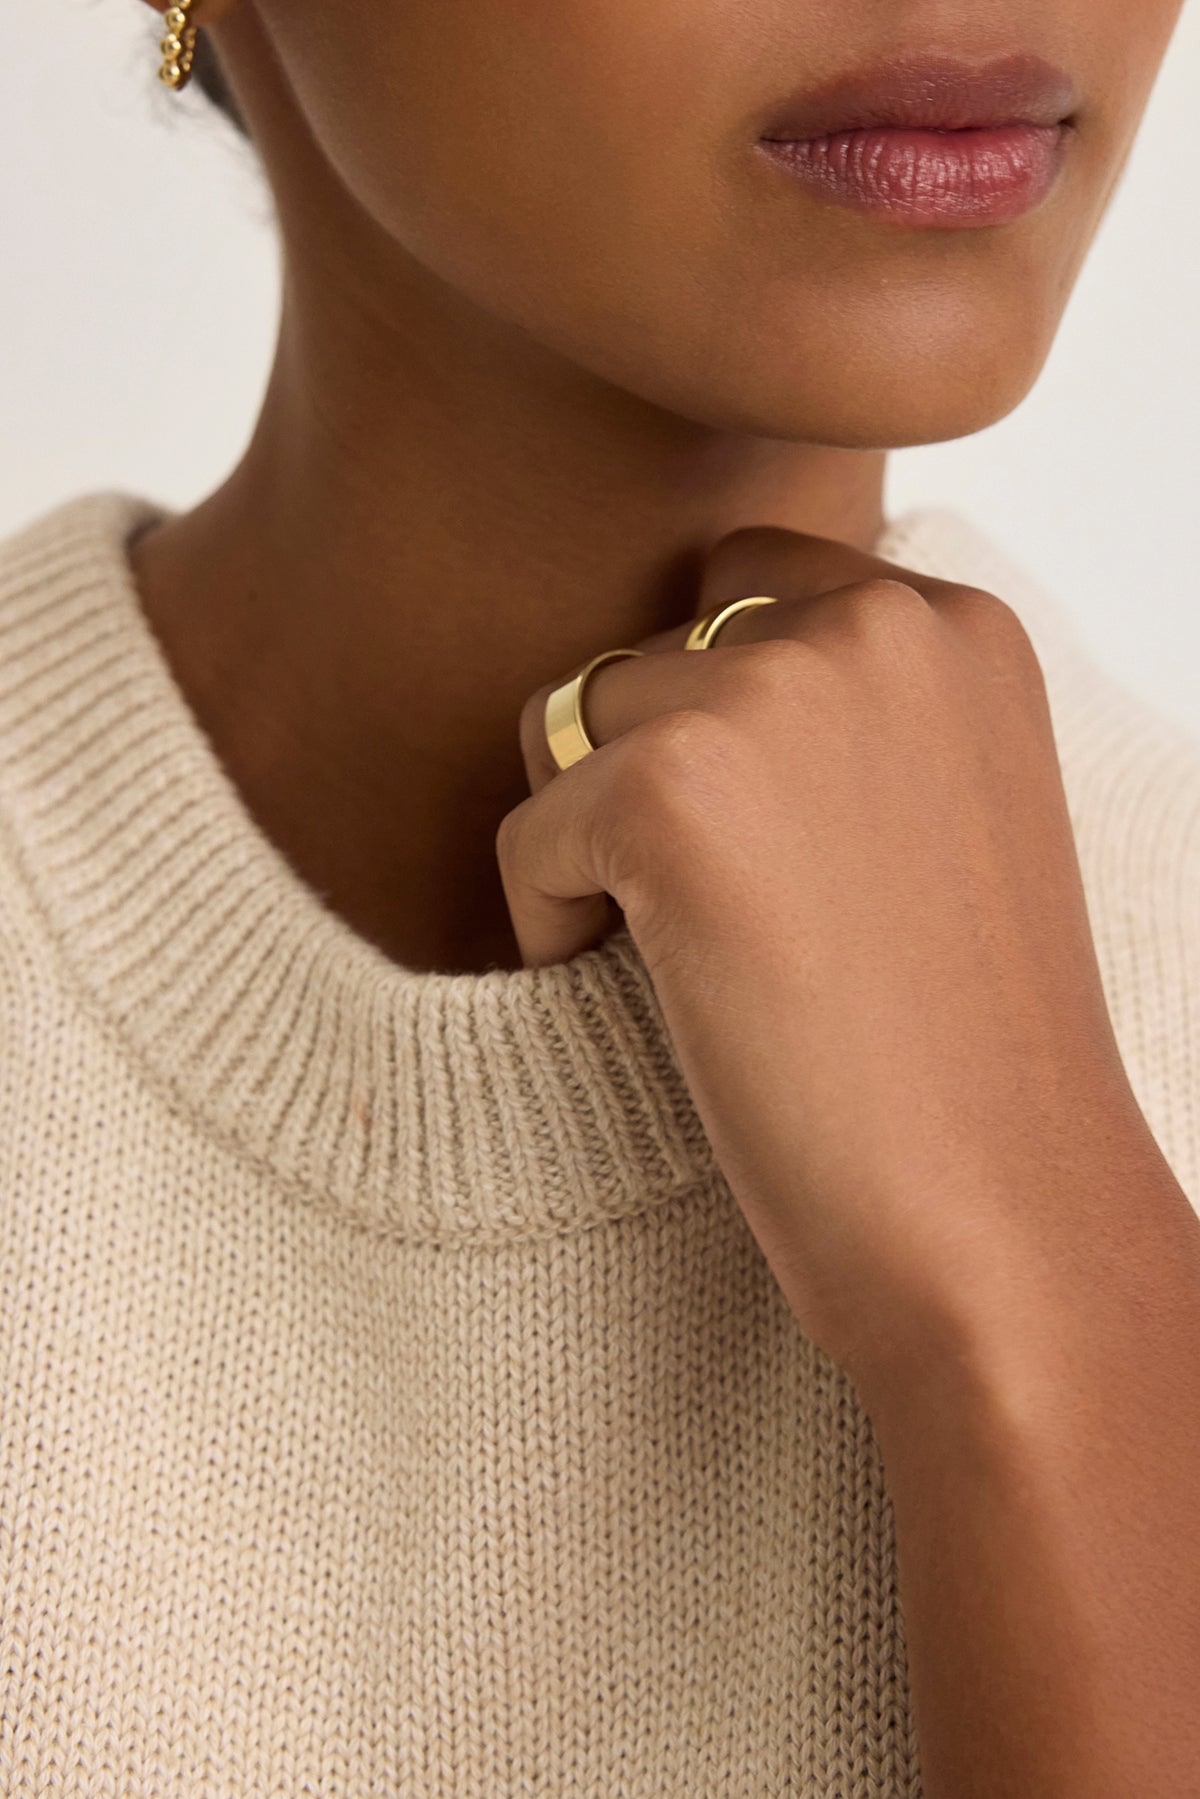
[{"x": 178, "y": 46}]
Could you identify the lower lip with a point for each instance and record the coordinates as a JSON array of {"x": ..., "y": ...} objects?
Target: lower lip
[{"x": 979, "y": 176}]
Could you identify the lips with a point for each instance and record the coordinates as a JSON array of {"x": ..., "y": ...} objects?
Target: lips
[
  {"x": 930, "y": 141},
  {"x": 938, "y": 93}
]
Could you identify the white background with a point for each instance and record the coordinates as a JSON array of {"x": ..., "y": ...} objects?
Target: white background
[{"x": 139, "y": 285}]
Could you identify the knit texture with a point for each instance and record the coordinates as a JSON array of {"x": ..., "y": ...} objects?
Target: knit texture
[{"x": 393, "y": 1399}]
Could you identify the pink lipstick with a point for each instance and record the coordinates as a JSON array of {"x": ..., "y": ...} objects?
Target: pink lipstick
[{"x": 930, "y": 141}]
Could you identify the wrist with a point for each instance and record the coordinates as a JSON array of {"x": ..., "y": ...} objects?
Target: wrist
[{"x": 1029, "y": 1320}]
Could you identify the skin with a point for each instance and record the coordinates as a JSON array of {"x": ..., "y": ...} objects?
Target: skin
[{"x": 558, "y": 361}]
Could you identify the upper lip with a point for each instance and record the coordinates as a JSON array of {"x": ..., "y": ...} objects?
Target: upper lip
[{"x": 937, "y": 92}]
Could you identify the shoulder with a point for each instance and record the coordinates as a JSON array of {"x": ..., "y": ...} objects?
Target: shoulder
[
  {"x": 63, "y": 583},
  {"x": 84, "y": 527}
]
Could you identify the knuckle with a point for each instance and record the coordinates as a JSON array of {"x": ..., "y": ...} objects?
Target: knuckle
[
  {"x": 975, "y": 605},
  {"x": 893, "y": 623},
  {"x": 506, "y": 837},
  {"x": 996, "y": 615},
  {"x": 767, "y": 671},
  {"x": 676, "y": 745},
  {"x": 997, "y": 625},
  {"x": 887, "y": 616},
  {"x": 508, "y": 834},
  {"x": 886, "y": 600},
  {"x": 674, "y": 766},
  {"x": 667, "y": 796}
]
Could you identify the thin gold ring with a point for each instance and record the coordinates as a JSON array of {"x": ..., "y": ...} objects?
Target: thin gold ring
[
  {"x": 704, "y": 631},
  {"x": 566, "y": 733}
]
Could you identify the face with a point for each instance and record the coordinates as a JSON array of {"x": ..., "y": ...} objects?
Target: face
[{"x": 592, "y": 171}]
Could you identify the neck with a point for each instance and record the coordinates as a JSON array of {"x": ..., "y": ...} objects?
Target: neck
[{"x": 433, "y": 516}]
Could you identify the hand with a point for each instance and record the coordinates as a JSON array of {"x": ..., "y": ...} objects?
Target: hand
[{"x": 841, "y": 843}]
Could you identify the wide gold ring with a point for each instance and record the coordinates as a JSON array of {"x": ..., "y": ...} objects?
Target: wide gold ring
[
  {"x": 704, "y": 631},
  {"x": 566, "y": 734}
]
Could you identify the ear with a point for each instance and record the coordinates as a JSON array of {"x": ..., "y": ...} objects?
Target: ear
[{"x": 204, "y": 12}]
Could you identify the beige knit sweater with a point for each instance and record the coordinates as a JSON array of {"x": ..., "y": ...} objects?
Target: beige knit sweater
[{"x": 394, "y": 1401}]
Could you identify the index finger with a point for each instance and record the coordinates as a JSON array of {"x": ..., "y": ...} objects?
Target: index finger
[{"x": 756, "y": 559}]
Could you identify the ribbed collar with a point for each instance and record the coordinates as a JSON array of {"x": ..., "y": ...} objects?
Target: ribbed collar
[{"x": 438, "y": 1106}]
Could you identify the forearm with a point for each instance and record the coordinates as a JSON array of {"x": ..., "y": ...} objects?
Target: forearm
[{"x": 1046, "y": 1491}]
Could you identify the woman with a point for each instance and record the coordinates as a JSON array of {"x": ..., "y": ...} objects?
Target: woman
[{"x": 633, "y": 1239}]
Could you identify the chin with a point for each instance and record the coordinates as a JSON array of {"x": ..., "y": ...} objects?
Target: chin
[
  {"x": 910, "y": 376},
  {"x": 864, "y": 403},
  {"x": 895, "y": 414}
]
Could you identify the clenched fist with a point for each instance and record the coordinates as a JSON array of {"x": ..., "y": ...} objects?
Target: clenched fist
[{"x": 840, "y": 841}]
